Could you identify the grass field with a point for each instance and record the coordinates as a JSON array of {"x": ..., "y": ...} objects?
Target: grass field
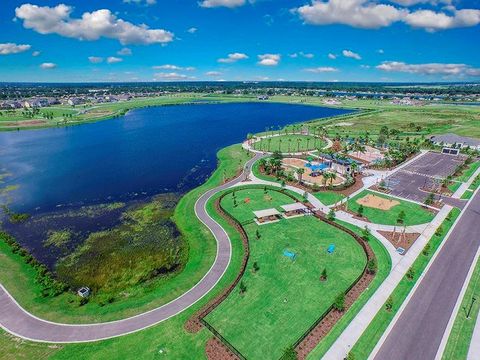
[
  {"x": 462, "y": 331},
  {"x": 414, "y": 213},
  {"x": 270, "y": 315},
  {"x": 329, "y": 197},
  {"x": 380, "y": 322},
  {"x": 384, "y": 266},
  {"x": 467, "y": 173},
  {"x": 289, "y": 143}
]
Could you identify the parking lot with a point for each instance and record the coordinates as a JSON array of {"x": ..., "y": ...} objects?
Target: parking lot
[{"x": 426, "y": 172}]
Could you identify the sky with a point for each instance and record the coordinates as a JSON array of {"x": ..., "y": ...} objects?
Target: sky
[{"x": 240, "y": 40}]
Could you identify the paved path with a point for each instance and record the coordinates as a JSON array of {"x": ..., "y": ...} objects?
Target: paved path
[
  {"x": 17, "y": 321},
  {"x": 417, "y": 331},
  {"x": 474, "y": 350}
]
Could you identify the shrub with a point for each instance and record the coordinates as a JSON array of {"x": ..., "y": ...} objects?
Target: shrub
[
  {"x": 371, "y": 266},
  {"x": 257, "y": 235},
  {"x": 389, "y": 303},
  {"x": 331, "y": 215},
  {"x": 410, "y": 273},
  {"x": 401, "y": 217},
  {"x": 350, "y": 356},
  {"x": 255, "y": 267},
  {"x": 366, "y": 233},
  {"x": 339, "y": 303},
  {"x": 323, "y": 276},
  {"x": 360, "y": 210},
  {"x": 243, "y": 288},
  {"x": 426, "y": 250},
  {"x": 289, "y": 354},
  {"x": 439, "y": 231}
]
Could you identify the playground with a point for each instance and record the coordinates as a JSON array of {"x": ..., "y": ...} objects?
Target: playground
[
  {"x": 290, "y": 255},
  {"x": 382, "y": 209},
  {"x": 293, "y": 143},
  {"x": 313, "y": 171}
]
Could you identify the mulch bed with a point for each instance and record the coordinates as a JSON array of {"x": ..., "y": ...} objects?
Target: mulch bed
[
  {"x": 399, "y": 239},
  {"x": 216, "y": 350}
]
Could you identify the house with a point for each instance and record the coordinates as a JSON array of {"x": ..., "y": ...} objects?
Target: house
[
  {"x": 74, "y": 101},
  {"x": 455, "y": 141}
]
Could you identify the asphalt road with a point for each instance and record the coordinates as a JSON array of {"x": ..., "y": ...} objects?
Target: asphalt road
[
  {"x": 15, "y": 320},
  {"x": 419, "y": 330}
]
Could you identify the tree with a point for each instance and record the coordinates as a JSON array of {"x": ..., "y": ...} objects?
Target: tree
[
  {"x": 339, "y": 303},
  {"x": 300, "y": 172},
  {"x": 366, "y": 233},
  {"x": 243, "y": 288},
  {"x": 371, "y": 266},
  {"x": 389, "y": 304},
  {"x": 410, "y": 273},
  {"x": 350, "y": 356},
  {"x": 323, "y": 275},
  {"x": 430, "y": 199},
  {"x": 257, "y": 235},
  {"x": 255, "y": 267},
  {"x": 331, "y": 215},
  {"x": 360, "y": 210},
  {"x": 401, "y": 217},
  {"x": 426, "y": 250},
  {"x": 439, "y": 231}
]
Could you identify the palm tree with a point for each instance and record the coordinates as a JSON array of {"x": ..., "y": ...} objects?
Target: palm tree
[
  {"x": 289, "y": 144},
  {"x": 333, "y": 176},
  {"x": 298, "y": 144},
  {"x": 269, "y": 143},
  {"x": 354, "y": 167},
  {"x": 300, "y": 172},
  {"x": 326, "y": 177}
]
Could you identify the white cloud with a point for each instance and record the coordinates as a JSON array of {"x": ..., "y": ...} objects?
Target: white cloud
[
  {"x": 234, "y": 57},
  {"x": 222, "y": 3},
  {"x": 380, "y": 51},
  {"x": 171, "y": 76},
  {"x": 192, "y": 30},
  {"x": 213, "y": 73},
  {"x": 322, "y": 69},
  {"x": 48, "y": 66},
  {"x": 433, "y": 21},
  {"x": 302, "y": 54},
  {"x": 371, "y": 14},
  {"x": 269, "y": 59},
  {"x": 124, "y": 52},
  {"x": 356, "y": 13},
  {"x": 147, "y": 2},
  {"x": 172, "y": 67},
  {"x": 429, "y": 69},
  {"x": 332, "y": 56},
  {"x": 12, "y": 48},
  {"x": 36, "y": 53},
  {"x": 95, "y": 59},
  {"x": 91, "y": 26},
  {"x": 351, "y": 54},
  {"x": 114, "y": 60}
]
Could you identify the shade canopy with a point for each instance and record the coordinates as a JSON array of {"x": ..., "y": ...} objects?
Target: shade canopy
[
  {"x": 266, "y": 213},
  {"x": 294, "y": 207}
]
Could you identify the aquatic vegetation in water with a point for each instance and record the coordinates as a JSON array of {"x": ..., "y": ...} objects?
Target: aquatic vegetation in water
[{"x": 59, "y": 239}]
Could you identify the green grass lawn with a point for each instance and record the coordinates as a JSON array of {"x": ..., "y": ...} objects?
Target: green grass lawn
[
  {"x": 454, "y": 186},
  {"x": 19, "y": 278},
  {"x": 289, "y": 143},
  {"x": 271, "y": 315},
  {"x": 248, "y": 200},
  {"x": 414, "y": 213},
  {"x": 467, "y": 173},
  {"x": 462, "y": 331},
  {"x": 384, "y": 265},
  {"x": 380, "y": 322},
  {"x": 329, "y": 197}
]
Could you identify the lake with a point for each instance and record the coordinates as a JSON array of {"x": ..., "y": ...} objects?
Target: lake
[{"x": 148, "y": 151}]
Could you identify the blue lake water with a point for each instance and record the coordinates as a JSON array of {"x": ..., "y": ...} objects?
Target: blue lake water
[{"x": 148, "y": 151}]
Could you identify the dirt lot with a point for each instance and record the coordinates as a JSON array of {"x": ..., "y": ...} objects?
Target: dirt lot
[{"x": 377, "y": 202}]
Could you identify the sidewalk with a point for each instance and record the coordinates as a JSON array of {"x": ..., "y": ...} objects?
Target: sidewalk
[
  {"x": 458, "y": 194},
  {"x": 474, "y": 350},
  {"x": 359, "y": 324}
]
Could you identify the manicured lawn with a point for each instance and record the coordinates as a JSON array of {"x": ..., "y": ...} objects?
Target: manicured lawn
[
  {"x": 467, "y": 173},
  {"x": 414, "y": 213},
  {"x": 467, "y": 194},
  {"x": 290, "y": 143},
  {"x": 380, "y": 322},
  {"x": 329, "y": 197},
  {"x": 462, "y": 331},
  {"x": 248, "y": 200},
  {"x": 384, "y": 265},
  {"x": 271, "y": 315},
  {"x": 19, "y": 278},
  {"x": 454, "y": 186}
]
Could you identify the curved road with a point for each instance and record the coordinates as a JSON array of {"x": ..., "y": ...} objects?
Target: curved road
[{"x": 17, "y": 321}]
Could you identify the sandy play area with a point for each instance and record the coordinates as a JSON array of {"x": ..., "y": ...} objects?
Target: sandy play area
[
  {"x": 293, "y": 163},
  {"x": 377, "y": 202}
]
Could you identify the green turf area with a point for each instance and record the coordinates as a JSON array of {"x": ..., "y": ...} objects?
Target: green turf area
[
  {"x": 462, "y": 330},
  {"x": 289, "y": 143},
  {"x": 467, "y": 194},
  {"x": 270, "y": 315},
  {"x": 454, "y": 186},
  {"x": 380, "y": 322},
  {"x": 468, "y": 172},
  {"x": 384, "y": 266},
  {"x": 243, "y": 202},
  {"x": 18, "y": 277},
  {"x": 329, "y": 197},
  {"x": 414, "y": 213}
]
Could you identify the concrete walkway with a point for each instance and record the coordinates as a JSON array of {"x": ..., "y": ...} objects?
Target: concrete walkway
[
  {"x": 474, "y": 350},
  {"x": 359, "y": 324},
  {"x": 17, "y": 321}
]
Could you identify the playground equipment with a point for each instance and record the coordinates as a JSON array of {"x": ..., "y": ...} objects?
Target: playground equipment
[
  {"x": 290, "y": 254},
  {"x": 331, "y": 248}
]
